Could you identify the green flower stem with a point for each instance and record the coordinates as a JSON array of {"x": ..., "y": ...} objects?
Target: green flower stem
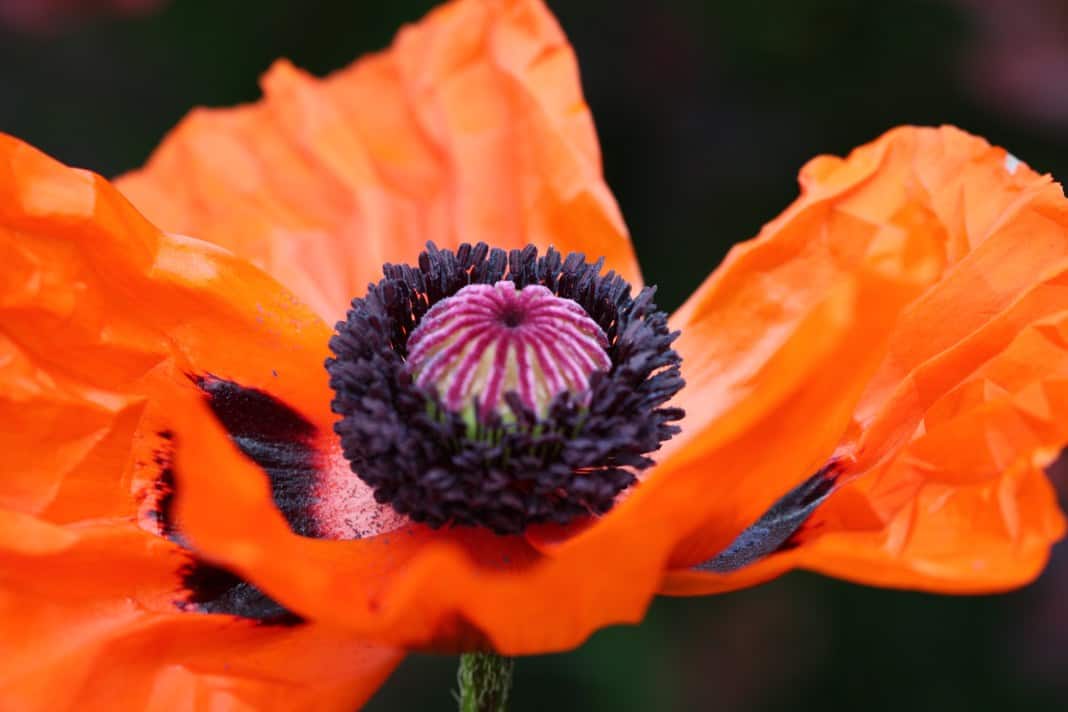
[{"x": 485, "y": 679}]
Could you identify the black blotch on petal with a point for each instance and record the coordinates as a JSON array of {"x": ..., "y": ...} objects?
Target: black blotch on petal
[
  {"x": 212, "y": 589},
  {"x": 250, "y": 412},
  {"x": 275, "y": 437},
  {"x": 164, "y": 486},
  {"x": 776, "y": 529},
  {"x": 207, "y": 588}
]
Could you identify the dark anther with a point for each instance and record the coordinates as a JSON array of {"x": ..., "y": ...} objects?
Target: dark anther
[{"x": 436, "y": 466}]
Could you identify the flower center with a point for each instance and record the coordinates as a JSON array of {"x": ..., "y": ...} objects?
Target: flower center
[
  {"x": 486, "y": 341},
  {"x": 439, "y": 354}
]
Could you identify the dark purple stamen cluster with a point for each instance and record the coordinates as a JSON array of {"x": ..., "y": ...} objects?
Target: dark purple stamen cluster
[{"x": 423, "y": 459}]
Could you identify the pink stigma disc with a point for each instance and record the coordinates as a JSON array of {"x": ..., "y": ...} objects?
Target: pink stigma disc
[{"x": 488, "y": 340}]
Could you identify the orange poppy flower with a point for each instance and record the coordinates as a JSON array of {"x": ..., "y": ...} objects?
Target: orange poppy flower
[{"x": 874, "y": 383}]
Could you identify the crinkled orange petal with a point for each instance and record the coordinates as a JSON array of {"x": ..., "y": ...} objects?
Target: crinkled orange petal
[
  {"x": 763, "y": 303},
  {"x": 85, "y": 624},
  {"x": 102, "y": 319},
  {"x": 943, "y": 487},
  {"x": 948, "y": 539},
  {"x": 471, "y": 127}
]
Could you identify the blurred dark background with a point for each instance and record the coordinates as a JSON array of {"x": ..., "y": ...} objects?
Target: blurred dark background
[{"x": 705, "y": 110}]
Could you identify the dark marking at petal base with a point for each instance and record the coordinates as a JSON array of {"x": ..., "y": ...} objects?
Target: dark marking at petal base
[
  {"x": 250, "y": 412},
  {"x": 275, "y": 437},
  {"x": 212, "y": 589},
  {"x": 164, "y": 487},
  {"x": 775, "y": 529},
  {"x": 207, "y": 588}
]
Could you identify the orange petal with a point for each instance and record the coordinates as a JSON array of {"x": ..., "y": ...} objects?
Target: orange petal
[
  {"x": 943, "y": 487},
  {"x": 471, "y": 127},
  {"x": 85, "y": 624},
  {"x": 449, "y": 589},
  {"x": 766, "y": 288},
  {"x": 763, "y": 326},
  {"x": 905, "y": 530},
  {"x": 103, "y": 319}
]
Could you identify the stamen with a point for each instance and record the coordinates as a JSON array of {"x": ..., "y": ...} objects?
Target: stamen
[
  {"x": 437, "y": 356},
  {"x": 489, "y": 340}
]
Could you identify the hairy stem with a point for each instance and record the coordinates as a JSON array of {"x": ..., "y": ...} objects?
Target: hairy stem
[{"x": 485, "y": 680}]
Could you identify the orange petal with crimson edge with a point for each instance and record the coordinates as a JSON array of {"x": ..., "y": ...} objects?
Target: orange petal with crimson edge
[
  {"x": 102, "y": 318},
  {"x": 941, "y": 486},
  {"x": 92, "y": 608},
  {"x": 471, "y": 127}
]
